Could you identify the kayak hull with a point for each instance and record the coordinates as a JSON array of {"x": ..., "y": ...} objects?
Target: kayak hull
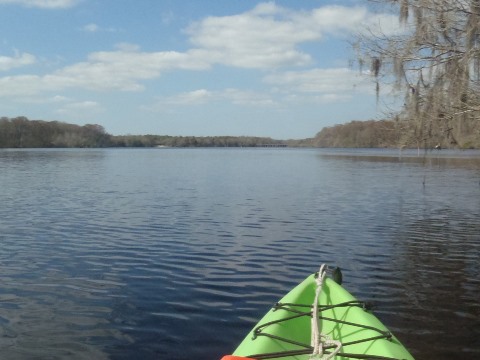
[{"x": 359, "y": 331}]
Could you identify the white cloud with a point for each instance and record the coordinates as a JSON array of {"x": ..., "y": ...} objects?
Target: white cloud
[
  {"x": 382, "y": 25},
  {"x": 81, "y": 105},
  {"x": 21, "y": 85},
  {"x": 255, "y": 39},
  {"x": 203, "y": 96},
  {"x": 121, "y": 69},
  {"x": 45, "y": 4},
  {"x": 336, "y": 18},
  {"x": 267, "y": 8},
  {"x": 106, "y": 70},
  {"x": 91, "y": 28},
  {"x": 39, "y": 99},
  {"x": 249, "y": 98},
  {"x": 59, "y": 98},
  {"x": 79, "y": 108},
  {"x": 195, "y": 97},
  {"x": 18, "y": 60},
  {"x": 127, "y": 47},
  {"x": 325, "y": 81},
  {"x": 267, "y": 37}
]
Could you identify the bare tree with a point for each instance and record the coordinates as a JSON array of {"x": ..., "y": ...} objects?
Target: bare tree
[{"x": 436, "y": 61}]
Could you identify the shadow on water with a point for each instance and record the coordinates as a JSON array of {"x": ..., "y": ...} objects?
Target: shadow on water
[
  {"x": 437, "y": 311},
  {"x": 441, "y": 159}
]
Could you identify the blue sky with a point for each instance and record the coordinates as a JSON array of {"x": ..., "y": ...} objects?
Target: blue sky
[{"x": 187, "y": 67}]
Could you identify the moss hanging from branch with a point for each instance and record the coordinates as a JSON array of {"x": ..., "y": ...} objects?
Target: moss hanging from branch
[
  {"x": 439, "y": 52},
  {"x": 404, "y": 11}
]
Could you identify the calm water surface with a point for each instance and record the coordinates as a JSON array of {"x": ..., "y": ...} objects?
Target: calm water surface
[{"x": 176, "y": 253}]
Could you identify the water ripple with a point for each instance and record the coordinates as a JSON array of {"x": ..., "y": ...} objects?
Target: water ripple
[{"x": 175, "y": 254}]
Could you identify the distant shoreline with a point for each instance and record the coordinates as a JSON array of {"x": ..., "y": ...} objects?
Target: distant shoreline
[{"x": 21, "y": 132}]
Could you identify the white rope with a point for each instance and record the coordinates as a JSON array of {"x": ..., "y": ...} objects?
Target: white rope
[
  {"x": 316, "y": 330},
  {"x": 319, "y": 340}
]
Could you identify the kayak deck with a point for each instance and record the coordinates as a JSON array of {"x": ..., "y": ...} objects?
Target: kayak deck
[{"x": 285, "y": 331}]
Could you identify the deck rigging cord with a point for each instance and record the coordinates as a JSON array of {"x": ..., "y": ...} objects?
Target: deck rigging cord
[{"x": 321, "y": 347}]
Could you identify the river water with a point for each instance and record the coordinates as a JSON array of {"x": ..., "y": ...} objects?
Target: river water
[{"x": 176, "y": 253}]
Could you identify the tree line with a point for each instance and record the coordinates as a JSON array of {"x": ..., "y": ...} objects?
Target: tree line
[
  {"x": 358, "y": 134},
  {"x": 395, "y": 134},
  {"x": 193, "y": 141},
  {"x": 21, "y": 132}
]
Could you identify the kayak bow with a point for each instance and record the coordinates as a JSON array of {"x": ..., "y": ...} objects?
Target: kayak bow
[{"x": 342, "y": 327}]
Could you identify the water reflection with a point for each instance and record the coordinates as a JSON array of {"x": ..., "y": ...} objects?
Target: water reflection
[
  {"x": 442, "y": 159},
  {"x": 439, "y": 262},
  {"x": 52, "y": 304},
  {"x": 176, "y": 253}
]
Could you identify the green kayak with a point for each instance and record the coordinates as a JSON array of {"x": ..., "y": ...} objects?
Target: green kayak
[{"x": 343, "y": 327}]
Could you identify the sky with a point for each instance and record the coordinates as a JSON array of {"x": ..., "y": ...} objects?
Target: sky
[{"x": 280, "y": 69}]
